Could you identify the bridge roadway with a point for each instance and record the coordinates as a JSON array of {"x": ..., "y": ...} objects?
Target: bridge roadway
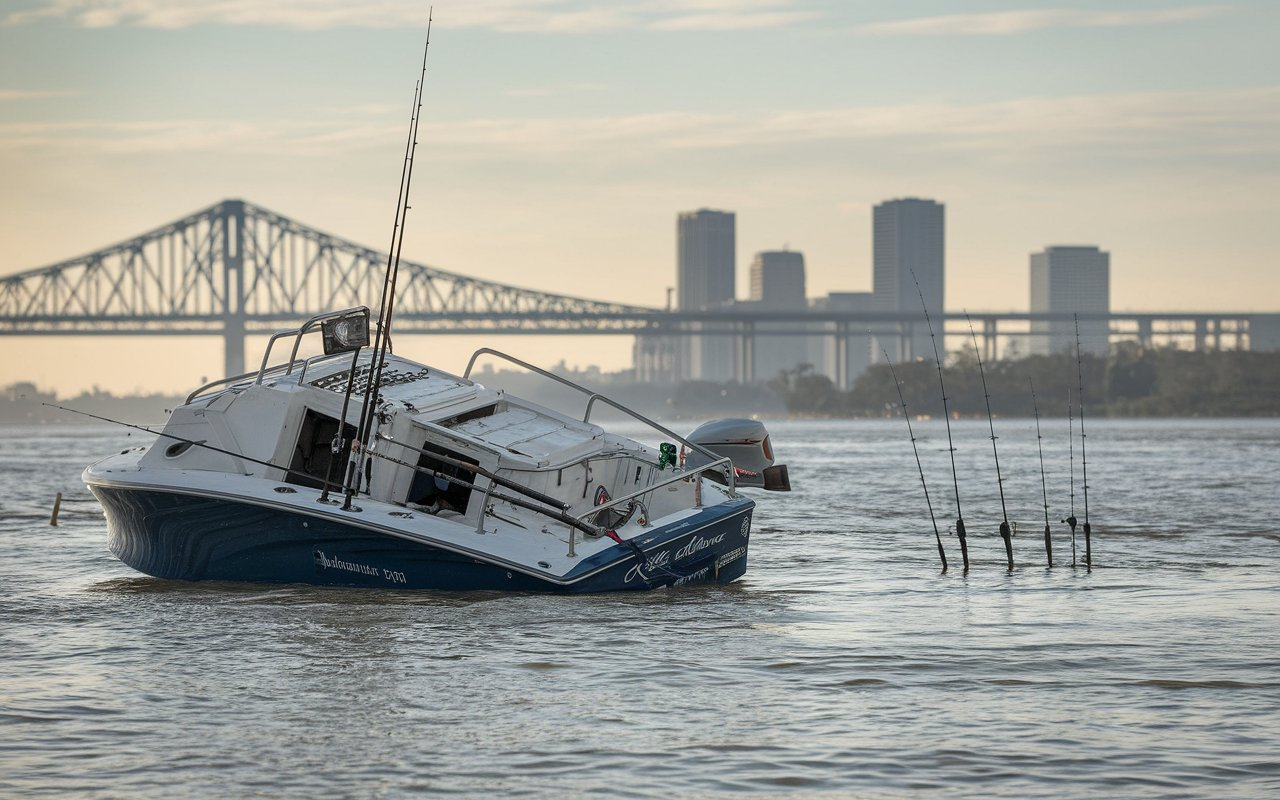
[{"x": 236, "y": 269}]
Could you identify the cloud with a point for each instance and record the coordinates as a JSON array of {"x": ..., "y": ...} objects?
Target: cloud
[
  {"x": 522, "y": 16},
  {"x": 1196, "y": 123},
  {"x": 33, "y": 94},
  {"x": 1004, "y": 23},
  {"x": 1140, "y": 125},
  {"x": 154, "y": 138}
]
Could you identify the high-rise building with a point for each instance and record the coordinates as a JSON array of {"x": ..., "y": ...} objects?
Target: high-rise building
[
  {"x": 777, "y": 279},
  {"x": 706, "y": 253},
  {"x": 777, "y": 284},
  {"x": 1070, "y": 280},
  {"x": 908, "y": 239}
]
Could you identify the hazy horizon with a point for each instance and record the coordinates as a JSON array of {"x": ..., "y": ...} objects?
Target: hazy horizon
[{"x": 560, "y": 140}]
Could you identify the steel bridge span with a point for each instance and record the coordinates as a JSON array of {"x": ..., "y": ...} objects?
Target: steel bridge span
[{"x": 236, "y": 269}]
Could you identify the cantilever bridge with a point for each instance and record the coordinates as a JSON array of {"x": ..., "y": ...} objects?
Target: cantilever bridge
[{"x": 235, "y": 269}]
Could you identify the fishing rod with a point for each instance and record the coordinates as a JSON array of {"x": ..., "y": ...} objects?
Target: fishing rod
[
  {"x": 1004, "y": 526},
  {"x": 1084, "y": 459},
  {"x": 339, "y": 445},
  {"x": 1071, "y": 462},
  {"x": 902, "y": 400},
  {"x": 196, "y": 443},
  {"x": 557, "y": 512},
  {"x": 946, "y": 416},
  {"x": 1044, "y": 491},
  {"x": 382, "y": 341}
]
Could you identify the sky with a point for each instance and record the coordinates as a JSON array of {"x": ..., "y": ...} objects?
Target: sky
[{"x": 561, "y": 138}]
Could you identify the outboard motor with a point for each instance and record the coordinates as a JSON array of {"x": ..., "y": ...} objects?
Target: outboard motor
[{"x": 746, "y": 443}]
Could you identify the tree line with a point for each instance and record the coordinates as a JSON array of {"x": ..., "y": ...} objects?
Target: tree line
[{"x": 1131, "y": 382}]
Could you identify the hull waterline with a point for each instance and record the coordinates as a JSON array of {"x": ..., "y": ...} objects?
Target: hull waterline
[{"x": 180, "y": 536}]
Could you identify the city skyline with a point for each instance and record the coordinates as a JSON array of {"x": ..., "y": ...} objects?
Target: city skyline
[{"x": 556, "y": 147}]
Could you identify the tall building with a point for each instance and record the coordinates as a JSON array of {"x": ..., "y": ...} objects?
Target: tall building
[
  {"x": 706, "y": 253},
  {"x": 777, "y": 279},
  {"x": 908, "y": 238},
  {"x": 1070, "y": 280},
  {"x": 777, "y": 284}
]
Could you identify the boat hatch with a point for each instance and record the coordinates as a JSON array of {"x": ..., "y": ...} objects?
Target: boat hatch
[
  {"x": 467, "y": 416},
  {"x": 436, "y": 492},
  {"x": 312, "y": 462}
]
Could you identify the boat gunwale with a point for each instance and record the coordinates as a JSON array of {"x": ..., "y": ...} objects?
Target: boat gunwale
[{"x": 369, "y": 525}]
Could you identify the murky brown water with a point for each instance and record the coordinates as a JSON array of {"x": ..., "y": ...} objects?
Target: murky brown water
[{"x": 843, "y": 665}]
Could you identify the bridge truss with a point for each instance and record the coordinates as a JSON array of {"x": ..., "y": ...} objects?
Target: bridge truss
[{"x": 236, "y": 268}]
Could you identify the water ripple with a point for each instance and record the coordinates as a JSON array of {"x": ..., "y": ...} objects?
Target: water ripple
[{"x": 844, "y": 664}]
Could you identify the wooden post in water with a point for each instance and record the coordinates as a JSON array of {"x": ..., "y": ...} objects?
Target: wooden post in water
[{"x": 57, "y": 506}]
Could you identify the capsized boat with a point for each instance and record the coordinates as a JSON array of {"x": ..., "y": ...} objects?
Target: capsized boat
[{"x": 264, "y": 477}]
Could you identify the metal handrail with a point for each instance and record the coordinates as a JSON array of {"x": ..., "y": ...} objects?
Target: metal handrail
[
  {"x": 233, "y": 379},
  {"x": 576, "y": 461},
  {"x": 592, "y": 397},
  {"x": 298, "y": 333},
  {"x": 696, "y": 475},
  {"x": 310, "y": 324},
  {"x": 678, "y": 476}
]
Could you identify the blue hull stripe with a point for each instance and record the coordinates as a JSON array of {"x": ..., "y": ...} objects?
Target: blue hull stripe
[{"x": 190, "y": 537}]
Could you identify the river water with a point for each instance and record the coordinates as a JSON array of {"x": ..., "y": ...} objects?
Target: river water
[{"x": 844, "y": 664}]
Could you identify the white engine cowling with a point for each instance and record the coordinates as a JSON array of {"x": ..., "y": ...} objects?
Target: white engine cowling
[{"x": 746, "y": 443}]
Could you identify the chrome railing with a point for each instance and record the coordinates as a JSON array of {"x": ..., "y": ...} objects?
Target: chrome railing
[
  {"x": 592, "y": 397},
  {"x": 264, "y": 371},
  {"x": 307, "y": 327}
]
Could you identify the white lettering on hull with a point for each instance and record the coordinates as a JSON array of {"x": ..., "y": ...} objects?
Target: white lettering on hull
[
  {"x": 326, "y": 562},
  {"x": 664, "y": 557}
]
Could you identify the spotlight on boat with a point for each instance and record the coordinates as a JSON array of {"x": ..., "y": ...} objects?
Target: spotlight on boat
[
  {"x": 746, "y": 443},
  {"x": 343, "y": 334}
]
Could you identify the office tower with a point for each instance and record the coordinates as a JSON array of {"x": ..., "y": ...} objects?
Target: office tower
[
  {"x": 777, "y": 284},
  {"x": 1070, "y": 280},
  {"x": 706, "y": 243},
  {"x": 908, "y": 238},
  {"x": 706, "y": 252},
  {"x": 777, "y": 279}
]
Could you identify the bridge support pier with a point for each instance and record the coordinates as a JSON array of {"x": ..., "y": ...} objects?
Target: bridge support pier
[
  {"x": 747, "y": 354},
  {"x": 233, "y": 343},
  {"x": 232, "y": 214}
]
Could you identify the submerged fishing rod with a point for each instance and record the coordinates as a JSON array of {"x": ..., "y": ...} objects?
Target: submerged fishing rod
[
  {"x": 1005, "y": 533},
  {"x": 382, "y": 341},
  {"x": 1084, "y": 459},
  {"x": 196, "y": 443},
  {"x": 902, "y": 400},
  {"x": 946, "y": 416},
  {"x": 1071, "y": 464},
  {"x": 1044, "y": 491}
]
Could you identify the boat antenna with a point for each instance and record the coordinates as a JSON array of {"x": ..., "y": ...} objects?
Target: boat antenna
[
  {"x": 1071, "y": 462},
  {"x": 1084, "y": 460},
  {"x": 382, "y": 340},
  {"x": 946, "y": 416},
  {"x": 1004, "y": 526},
  {"x": 1044, "y": 491},
  {"x": 903, "y": 402}
]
